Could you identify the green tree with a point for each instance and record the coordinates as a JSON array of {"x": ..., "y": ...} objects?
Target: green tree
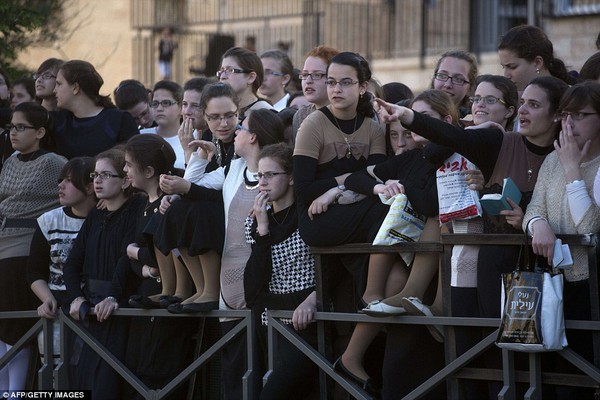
[{"x": 23, "y": 23}]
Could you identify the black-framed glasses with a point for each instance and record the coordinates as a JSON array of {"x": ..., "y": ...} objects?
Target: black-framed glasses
[
  {"x": 230, "y": 70},
  {"x": 456, "y": 79},
  {"x": 489, "y": 100},
  {"x": 274, "y": 73},
  {"x": 267, "y": 175},
  {"x": 315, "y": 76},
  {"x": 141, "y": 116},
  {"x": 103, "y": 175},
  {"x": 345, "y": 83},
  {"x": 19, "y": 127},
  {"x": 45, "y": 76},
  {"x": 225, "y": 117},
  {"x": 576, "y": 115},
  {"x": 164, "y": 103}
]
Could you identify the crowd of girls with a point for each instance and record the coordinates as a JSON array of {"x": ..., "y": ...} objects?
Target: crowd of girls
[{"x": 212, "y": 207}]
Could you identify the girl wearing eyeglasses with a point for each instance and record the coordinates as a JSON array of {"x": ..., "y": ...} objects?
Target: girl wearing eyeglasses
[
  {"x": 193, "y": 225},
  {"x": 237, "y": 186},
  {"x": 278, "y": 69},
  {"x": 313, "y": 76},
  {"x": 562, "y": 203},
  {"x": 166, "y": 106},
  {"x": 97, "y": 273},
  {"x": 455, "y": 74},
  {"x": 45, "y": 81},
  {"x": 498, "y": 155},
  {"x": 280, "y": 275},
  {"x": 88, "y": 122},
  {"x": 495, "y": 101},
  {"x": 27, "y": 190},
  {"x": 243, "y": 71}
]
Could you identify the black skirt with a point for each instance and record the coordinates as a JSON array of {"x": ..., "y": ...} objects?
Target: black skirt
[
  {"x": 198, "y": 225},
  {"x": 16, "y": 296}
]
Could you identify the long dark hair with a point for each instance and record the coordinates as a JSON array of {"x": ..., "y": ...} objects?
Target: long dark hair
[
  {"x": 151, "y": 151},
  {"x": 363, "y": 73},
  {"x": 89, "y": 80},
  {"x": 78, "y": 171},
  {"x": 266, "y": 125}
]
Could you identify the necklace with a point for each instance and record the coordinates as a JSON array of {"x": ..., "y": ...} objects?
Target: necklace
[
  {"x": 284, "y": 218},
  {"x": 148, "y": 206},
  {"x": 222, "y": 153},
  {"x": 349, "y": 148},
  {"x": 250, "y": 185}
]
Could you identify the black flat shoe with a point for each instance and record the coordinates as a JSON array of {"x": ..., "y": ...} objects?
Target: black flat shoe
[
  {"x": 166, "y": 300},
  {"x": 191, "y": 308},
  {"x": 176, "y": 308},
  {"x": 367, "y": 385},
  {"x": 139, "y": 301}
]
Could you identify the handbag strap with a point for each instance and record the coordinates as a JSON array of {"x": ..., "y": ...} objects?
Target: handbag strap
[{"x": 524, "y": 248}]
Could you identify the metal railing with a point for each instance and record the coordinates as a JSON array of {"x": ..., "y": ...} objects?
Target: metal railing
[
  {"x": 50, "y": 377},
  {"x": 455, "y": 369}
]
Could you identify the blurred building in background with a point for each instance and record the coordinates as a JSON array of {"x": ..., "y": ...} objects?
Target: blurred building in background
[{"x": 401, "y": 38}]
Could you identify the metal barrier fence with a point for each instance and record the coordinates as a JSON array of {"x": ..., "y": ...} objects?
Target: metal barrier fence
[
  {"x": 55, "y": 378},
  {"x": 455, "y": 365},
  {"x": 50, "y": 377}
]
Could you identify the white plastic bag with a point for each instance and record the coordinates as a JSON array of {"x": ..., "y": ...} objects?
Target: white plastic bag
[{"x": 401, "y": 224}]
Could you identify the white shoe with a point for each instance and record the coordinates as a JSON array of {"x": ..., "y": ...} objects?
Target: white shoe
[
  {"x": 414, "y": 306},
  {"x": 380, "y": 309}
]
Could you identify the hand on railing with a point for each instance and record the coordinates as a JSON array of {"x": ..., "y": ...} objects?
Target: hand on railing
[
  {"x": 304, "y": 314},
  {"x": 48, "y": 308},
  {"x": 75, "y": 306},
  {"x": 105, "y": 308}
]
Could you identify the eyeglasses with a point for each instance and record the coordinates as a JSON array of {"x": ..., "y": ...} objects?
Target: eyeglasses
[
  {"x": 216, "y": 117},
  {"x": 489, "y": 100},
  {"x": 164, "y": 103},
  {"x": 457, "y": 80},
  {"x": 241, "y": 127},
  {"x": 576, "y": 115},
  {"x": 103, "y": 175},
  {"x": 230, "y": 70},
  {"x": 315, "y": 76},
  {"x": 267, "y": 175},
  {"x": 45, "y": 76},
  {"x": 344, "y": 83},
  {"x": 141, "y": 116},
  {"x": 20, "y": 127},
  {"x": 274, "y": 73}
]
